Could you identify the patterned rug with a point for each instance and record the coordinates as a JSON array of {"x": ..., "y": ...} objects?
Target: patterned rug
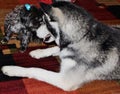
[{"x": 10, "y": 55}]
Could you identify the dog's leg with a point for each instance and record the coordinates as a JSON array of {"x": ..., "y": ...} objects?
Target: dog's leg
[
  {"x": 7, "y": 37},
  {"x": 62, "y": 79},
  {"x": 41, "y": 53},
  {"x": 24, "y": 40},
  {"x": 50, "y": 77}
]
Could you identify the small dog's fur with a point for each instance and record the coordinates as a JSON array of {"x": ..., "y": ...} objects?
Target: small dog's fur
[
  {"x": 24, "y": 23},
  {"x": 88, "y": 49}
]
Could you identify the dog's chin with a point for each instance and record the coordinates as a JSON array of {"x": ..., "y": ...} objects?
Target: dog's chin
[{"x": 48, "y": 39}]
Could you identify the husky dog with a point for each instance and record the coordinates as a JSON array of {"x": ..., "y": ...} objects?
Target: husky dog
[
  {"x": 88, "y": 50},
  {"x": 23, "y": 21}
]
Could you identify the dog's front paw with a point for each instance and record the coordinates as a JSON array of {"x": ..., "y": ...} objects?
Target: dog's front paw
[
  {"x": 13, "y": 71},
  {"x": 39, "y": 53}
]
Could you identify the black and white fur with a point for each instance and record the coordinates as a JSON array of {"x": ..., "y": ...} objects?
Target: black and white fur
[
  {"x": 88, "y": 50},
  {"x": 24, "y": 23}
]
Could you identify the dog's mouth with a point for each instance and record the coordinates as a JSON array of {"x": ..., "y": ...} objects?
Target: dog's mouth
[{"x": 47, "y": 38}]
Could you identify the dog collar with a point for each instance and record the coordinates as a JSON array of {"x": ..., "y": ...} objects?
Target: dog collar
[{"x": 28, "y": 6}]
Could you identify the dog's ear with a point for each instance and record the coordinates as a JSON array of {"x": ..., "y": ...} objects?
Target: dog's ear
[{"x": 45, "y": 7}]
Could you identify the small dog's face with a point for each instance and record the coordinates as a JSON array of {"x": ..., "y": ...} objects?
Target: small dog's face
[
  {"x": 32, "y": 20},
  {"x": 12, "y": 21},
  {"x": 24, "y": 23}
]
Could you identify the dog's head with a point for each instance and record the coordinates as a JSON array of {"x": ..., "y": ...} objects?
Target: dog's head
[
  {"x": 49, "y": 31},
  {"x": 31, "y": 19},
  {"x": 71, "y": 21},
  {"x": 23, "y": 20},
  {"x": 12, "y": 20},
  {"x": 12, "y": 23},
  {"x": 56, "y": 18}
]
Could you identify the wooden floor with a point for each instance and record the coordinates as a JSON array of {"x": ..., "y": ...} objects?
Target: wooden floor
[
  {"x": 5, "y": 7},
  {"x": 96, "y": 87}
]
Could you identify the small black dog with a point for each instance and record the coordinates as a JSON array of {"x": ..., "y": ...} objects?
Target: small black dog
[{"x": 24, "y": 20}]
